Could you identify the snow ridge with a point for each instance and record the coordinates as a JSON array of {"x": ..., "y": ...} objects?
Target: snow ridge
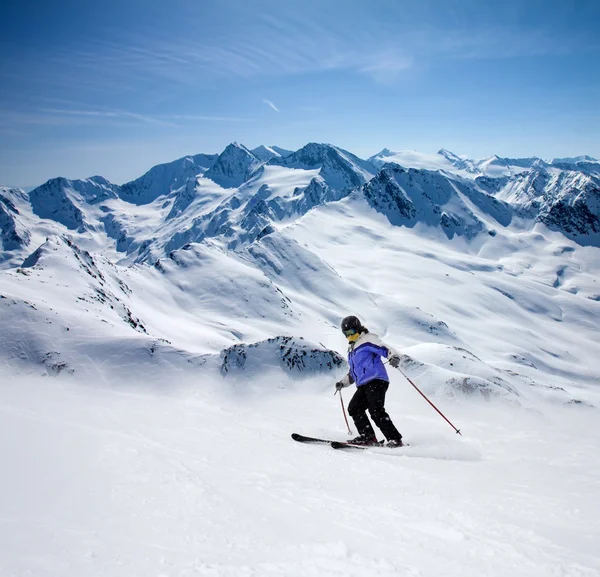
[{"x": 164, "y": 178}]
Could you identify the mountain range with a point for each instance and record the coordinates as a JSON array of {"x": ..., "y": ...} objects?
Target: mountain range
[
  {"x": 264, "y": 250},
  {"x": 236, "y": 195}
]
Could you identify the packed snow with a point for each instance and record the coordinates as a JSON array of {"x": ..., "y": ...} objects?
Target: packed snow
[{"x": 202, "y": 478}]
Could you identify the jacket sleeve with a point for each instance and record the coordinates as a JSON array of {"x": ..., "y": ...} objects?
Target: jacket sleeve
[
  {"x": 381, "y": 348},
  {"x": 391, "y": 351},
  {"x": 347, "y": 380}
]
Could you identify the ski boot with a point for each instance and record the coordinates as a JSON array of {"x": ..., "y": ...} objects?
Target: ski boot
[
  {"x": 365, "y": 441},
  {"x": 395, "y": 443}
]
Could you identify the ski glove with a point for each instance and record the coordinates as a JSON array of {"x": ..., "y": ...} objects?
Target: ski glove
[
  {"x": 394, "y": 361},
  {"x": 339, "y": 386}
]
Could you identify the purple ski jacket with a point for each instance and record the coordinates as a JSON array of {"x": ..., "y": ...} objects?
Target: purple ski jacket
[{"x": 364, "y": 358}]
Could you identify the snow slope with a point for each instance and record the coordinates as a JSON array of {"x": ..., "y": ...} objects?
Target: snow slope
[
  {"x": 443, "y": 160},
  {"x": 157, "y": 350},
  {"x": 196, "y": 479}
]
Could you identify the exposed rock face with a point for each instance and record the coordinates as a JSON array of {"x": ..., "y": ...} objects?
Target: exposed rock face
[
  {"x": 567, "y": 201},
  {"x": 13, "y": 235},
  {"x": 165, "y": 178},
  {"x": 293, "y": 355},
  {"x": 53, "y": 200},
  {"x": 234, "y": 166},
  {"x": 407, "y": 197},
  {"x": 340, "y": 169}
]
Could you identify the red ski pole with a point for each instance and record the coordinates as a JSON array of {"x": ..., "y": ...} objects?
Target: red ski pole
[
  {"x": 440, "y": 412},
  {"x": 344, "y": 411},
  {"x": 423, "y": 395}
]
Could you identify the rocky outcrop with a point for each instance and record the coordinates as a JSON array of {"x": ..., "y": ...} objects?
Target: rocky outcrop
[{"x": 292, "y": 355}]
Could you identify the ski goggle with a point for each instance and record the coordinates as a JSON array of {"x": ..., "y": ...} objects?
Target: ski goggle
[{"x": 349, "y": 332}]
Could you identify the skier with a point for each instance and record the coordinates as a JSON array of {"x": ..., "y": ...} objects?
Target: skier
[{"x": 368, "y": 373}]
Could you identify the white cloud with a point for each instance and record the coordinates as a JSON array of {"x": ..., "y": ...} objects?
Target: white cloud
[
  {"x": 275, "y": 47},
  {"x": 86, "y": 116},
  {"x": 269, "y": 103},
  {"x": 384, "y": 67},
  {"x": 106, "y": 114}
]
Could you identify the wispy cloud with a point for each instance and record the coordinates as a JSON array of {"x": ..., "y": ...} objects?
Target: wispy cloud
[
  {"x": 88, "y": 116},
  {"x": 273, "y": 45},
  {"x": 111, "y": 114},
  {"x": 207, "y": 118},
  {"x": 270, "y": 104},
  {"x": 384, "y": 67}
]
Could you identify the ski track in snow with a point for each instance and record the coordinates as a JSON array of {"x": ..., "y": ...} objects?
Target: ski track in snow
[{"x": 205, "y": 480}]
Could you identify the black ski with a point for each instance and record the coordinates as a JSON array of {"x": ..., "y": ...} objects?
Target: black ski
[
  {"x": 336, "y": 444},
  {"x": 303, "y": 439},
  {"x": 350, "y": 446}
]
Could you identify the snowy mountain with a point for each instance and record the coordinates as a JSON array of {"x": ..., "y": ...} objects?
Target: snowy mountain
[
  {"x": 281, "y": 151},
  {"x": 461, "y": 163},
  {"x": 265, "y": 153},
  {"x": 585, "y": 164},
  {"x": 233, "y": 166},
  {"x": 13, "y": 232},
  {"x": 237, "y": 197},
  {"x": 567, "y": 201},
  {"x": 184, "y": 228},
  {"x": 160, "y": 340},
  {"x": 340, "y": 169},
  {"x": 205, "y": 226},
  {"x": 444, "y": 160},
  {"x": 165, "y": 178},
  {"x": 573, "y": 160},
  {"x": 63, "y": 200},
  {"x": 406, "y": 197}
]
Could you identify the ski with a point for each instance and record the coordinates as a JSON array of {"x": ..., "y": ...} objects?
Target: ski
[
  {"x": 337, "y": 444},
  {"x": 350, "y": 446},
  {"x": 303, "y": 439}
]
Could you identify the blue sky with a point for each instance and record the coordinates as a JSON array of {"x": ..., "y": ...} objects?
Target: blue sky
[{"x": 115, "y": 87}]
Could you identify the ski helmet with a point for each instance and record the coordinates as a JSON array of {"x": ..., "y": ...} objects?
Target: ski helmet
[{"x": 351, "y": 323}]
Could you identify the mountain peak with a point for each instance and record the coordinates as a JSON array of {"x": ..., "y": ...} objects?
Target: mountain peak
[
  {"x": 265, "y": 153},
  {"x": 340, "y": 169},
  {"x": 449, "y": 154},
  {"x": 164, "y": 178},
  {"x": 281, "y": 151},
  {"x": 236, "y": 144},
  {"x": 233, "y": 166},
  {"x": 384, "y": 152},
  {"x": 573, "y": 159}
]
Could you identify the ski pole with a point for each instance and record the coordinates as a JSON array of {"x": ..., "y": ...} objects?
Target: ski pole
[
  {"x": 343, "y": 411},
  {"x": 423, "y": 395}
]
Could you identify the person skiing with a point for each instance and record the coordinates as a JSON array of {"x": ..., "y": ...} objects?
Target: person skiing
[{"x": 368, "y": 373}]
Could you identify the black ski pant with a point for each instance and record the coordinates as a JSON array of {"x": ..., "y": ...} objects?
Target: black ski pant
[{"x": 371, "y": 396}]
